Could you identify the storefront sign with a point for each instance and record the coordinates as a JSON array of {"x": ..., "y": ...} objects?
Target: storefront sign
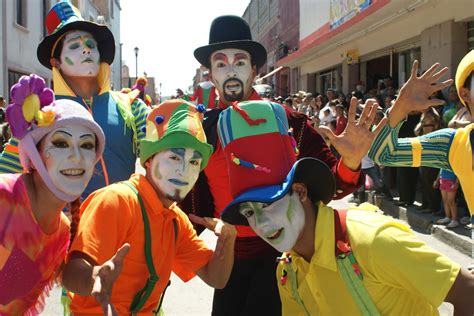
[
  {"x": 352, "y": 56},
  {"x": 342, "y": 11}
]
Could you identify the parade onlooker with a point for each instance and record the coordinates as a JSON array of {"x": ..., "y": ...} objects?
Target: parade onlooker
[
  {"x": 205, "y": 92},
  {"x": 462, "y": 118},
  {"x": 448, "y": 185},
  {"x": 59, "y": 145},
  {"x": 132, "y": 234},
  {"x": 451, "y": 105},
  {"x": 431, "y": 197},
  {"x": 289, "y": 104},
  {"x": 2, "y": 109},
  {"x": 341, "y": 119},
  {"x": 354, "y": 262}
]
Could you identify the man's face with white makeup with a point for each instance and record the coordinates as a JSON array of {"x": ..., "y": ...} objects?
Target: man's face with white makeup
[
  {"x": 69, "y": 155},
  {"x": 279, "y": 223},
  {"x": 80, "y": 55},
  {"x": 232, "y": 73},
  {"x": 175, "y": 171}
]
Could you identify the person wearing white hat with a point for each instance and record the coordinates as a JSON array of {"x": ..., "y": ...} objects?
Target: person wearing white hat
[{"x": 59, "y": 146}]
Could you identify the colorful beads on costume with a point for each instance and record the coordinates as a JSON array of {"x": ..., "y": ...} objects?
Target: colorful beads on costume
[
  {"x": 159, "y": 119},
  {"x": 201, "y": 108},
  {"x": 246, "y": 164},
  {"x": 286, "y": 259},
  {"x": 293, "y": 141}
]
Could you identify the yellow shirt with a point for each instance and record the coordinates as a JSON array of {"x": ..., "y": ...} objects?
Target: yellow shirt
[
  {"x": 402, "y": 275},
  {"x": 460, "y": 158}
]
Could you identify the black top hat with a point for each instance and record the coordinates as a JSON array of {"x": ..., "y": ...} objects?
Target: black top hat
[
  {"x": 230, "y": 31},
  {"x": 64, "y": 17}
]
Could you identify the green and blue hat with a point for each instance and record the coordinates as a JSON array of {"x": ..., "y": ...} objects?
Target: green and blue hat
[{"x": 175, "y": 123}]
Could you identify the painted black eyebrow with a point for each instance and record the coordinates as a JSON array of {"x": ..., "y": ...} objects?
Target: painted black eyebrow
[
  {"x": 87, "y": 135},
  {"x": 73, "y": 39},
  {"x": 63, "y": 132}
]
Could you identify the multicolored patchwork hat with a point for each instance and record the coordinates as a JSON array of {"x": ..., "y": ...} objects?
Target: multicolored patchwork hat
[
  {"x": 175, "y": 123},
  {"x": 465, "y": 68},
  {"x": 261, "y": 158},
  {"x": 64, "y": 17}
]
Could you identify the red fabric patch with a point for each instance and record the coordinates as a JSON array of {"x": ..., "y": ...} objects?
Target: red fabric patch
[
  {"x": 52, "y": 22},
  {"x": 251, "y": 150}
]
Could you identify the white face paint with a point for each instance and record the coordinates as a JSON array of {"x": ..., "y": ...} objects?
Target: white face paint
[
  {"x": 80, "y": 55},
  {"x": 232, "y": 73},
  {"x": 69, "y": 155},
  {"x": 279, "y": 224},
  {"x": 175, "y": 171}
]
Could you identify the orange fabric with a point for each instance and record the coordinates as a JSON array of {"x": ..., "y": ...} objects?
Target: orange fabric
[
  {"x": 346, "y": 174},
  {"x": 11, "y": 148},
  {"x": 111, "y": 217}
]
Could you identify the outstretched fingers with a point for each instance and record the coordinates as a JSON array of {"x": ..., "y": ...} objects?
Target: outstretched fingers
[
  {"x": 351, "y": 117},
  {"x": 429, "y": 73},
  {"x": 365, "y": 112}
]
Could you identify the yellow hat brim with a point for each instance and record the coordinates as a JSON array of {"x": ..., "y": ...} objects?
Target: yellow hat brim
[{"x": 465, "y": 67}]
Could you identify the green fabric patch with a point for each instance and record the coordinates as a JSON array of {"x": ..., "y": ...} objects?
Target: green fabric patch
[
  {"x": 178, "y": 120},
  {"x": 240, "y": 128}
]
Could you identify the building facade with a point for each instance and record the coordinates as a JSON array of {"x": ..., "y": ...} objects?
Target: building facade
[
  {"x": 22, "y": 26},
  {"x": 342, "y": 42},
  {"x": 275, "y": 24}
]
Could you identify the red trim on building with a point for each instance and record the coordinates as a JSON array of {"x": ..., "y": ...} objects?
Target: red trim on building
[{"x": 324, "y": 33}]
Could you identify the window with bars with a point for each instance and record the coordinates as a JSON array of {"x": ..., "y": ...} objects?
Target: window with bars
[{"x": 470, "y": 35}]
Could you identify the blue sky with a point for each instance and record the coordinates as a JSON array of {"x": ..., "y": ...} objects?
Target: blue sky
[{"x": 167, "y": 32}]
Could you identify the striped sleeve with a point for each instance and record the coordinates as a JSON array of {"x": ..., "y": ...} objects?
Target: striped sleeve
[
  {"x": 10, "y": 159},
  {"x": 430, "y": 150},
  {"x": 140, "y": 111}
]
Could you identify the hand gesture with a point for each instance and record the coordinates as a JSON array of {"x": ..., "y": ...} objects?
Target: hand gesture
[
  {"x": 104, "y": 279},
  {"x": 354, "y": 143},
  {"x": 224, "y": 232},
  {"x": 415, "y": 93}
]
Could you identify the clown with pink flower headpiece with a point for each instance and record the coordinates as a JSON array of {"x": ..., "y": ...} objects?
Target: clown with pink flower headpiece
[{"x": 59, "y": 145}]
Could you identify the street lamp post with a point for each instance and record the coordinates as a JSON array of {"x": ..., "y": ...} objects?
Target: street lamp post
[
  {"x": 160, "y": 92},
  {"x": 136, "y": 49}
]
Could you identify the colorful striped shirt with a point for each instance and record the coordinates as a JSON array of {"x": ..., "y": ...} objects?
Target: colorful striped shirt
[
  {"x": 430, "y": 150},
  {"x": 29, "y": 259}
]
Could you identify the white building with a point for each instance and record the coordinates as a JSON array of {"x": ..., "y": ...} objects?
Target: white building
[{"x": 22, "y": 27}]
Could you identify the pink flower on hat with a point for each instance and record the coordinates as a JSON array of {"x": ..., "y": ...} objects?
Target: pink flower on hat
[{"x": 29, "y": 96}]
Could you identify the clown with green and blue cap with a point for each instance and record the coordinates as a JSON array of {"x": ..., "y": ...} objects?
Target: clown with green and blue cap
[{"x": 132, "y": 234}]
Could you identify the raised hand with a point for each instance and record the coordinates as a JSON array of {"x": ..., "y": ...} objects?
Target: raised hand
[
  {"x": 414, "y": 94},
  {"x": 104, "y": 279},
  {"x": 354, "y": 143},
  {"x": 222, "y": 230}
]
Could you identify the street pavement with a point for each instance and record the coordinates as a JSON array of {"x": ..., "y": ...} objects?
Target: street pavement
[{"x": 194, "y": 298}]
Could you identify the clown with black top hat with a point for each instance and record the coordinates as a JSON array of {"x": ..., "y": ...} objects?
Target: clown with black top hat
[
  {"x": 79, "y": 54},
  {"x": 234, "y": 59},
  {"x": 334, "y": 262}
]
